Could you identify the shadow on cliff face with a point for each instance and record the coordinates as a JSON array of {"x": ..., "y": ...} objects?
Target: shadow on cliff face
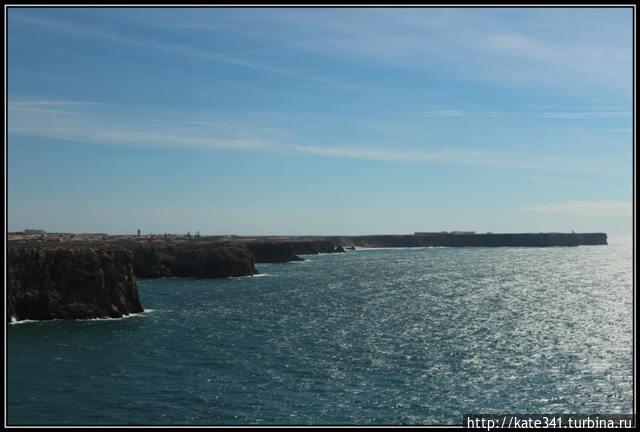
[
  {"x": 98, "y": 280},
  {"x": 201, "y": 261},
  {"x": 58, "y": 283}
]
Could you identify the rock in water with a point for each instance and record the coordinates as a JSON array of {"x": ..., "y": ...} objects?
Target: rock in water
[{"x": 45, "y": 283}]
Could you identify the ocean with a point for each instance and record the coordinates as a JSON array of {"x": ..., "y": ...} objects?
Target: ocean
[{"x": 373, "y": 336}]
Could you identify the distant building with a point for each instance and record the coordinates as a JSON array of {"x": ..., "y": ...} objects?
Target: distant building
[
  {"x": 462, "y": 232},
  {"x": 30, "y": 231}
]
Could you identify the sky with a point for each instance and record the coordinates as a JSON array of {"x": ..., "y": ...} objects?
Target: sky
[{"x": 320, "y": 121}]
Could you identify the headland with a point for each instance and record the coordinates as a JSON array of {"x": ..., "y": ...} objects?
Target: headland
[{"x": 80, "y": 276}]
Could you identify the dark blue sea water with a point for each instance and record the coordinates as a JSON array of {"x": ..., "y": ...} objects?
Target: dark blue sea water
[{"x": 387, "y": 336}]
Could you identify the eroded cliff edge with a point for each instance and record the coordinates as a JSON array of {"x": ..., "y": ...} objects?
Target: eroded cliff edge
[
  {"x": 45, "y": 283},
  {"x": 202, "y": 260},
  {"x": 276, "y": 251},
  {"x": 94, "y": 276},
  {"x": 98, "y": 279}
]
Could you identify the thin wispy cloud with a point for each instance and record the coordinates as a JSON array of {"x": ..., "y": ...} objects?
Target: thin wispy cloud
[
  {"x": 50, "y": 106},
  {"x": 518, "y": 45},
  {"x": 438, "y": 113},
  {"x": 492, "y": 113},
  {"x": 586, "y": 114},
  {"x": 122, "y": 134},
  {"x": 48, "y": 103},
  {"x": 174, "y": 48},
  {"x": 116, "y": 134},
  {"x": 624, "y": 130},
  {"x": 52, "y": 111},
  {"x": 205, "y": 123},
  {"x": 480, "y": 158},
  {"x": 546, "y": 60},
  {"x": 113, "y": 132},
  {"x": 585, "y": 209},
  {"x": 236, "y": 130},
  {"x": 479, "y": 49},
  {"x": 434, "y": 102},
  {"x": 549, "y": 115},
  {"x": 555, "y": 180},
  {"x": 539, "y": 107}
]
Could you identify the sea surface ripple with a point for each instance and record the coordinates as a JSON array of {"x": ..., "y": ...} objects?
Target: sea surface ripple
[{"x": 395, "y": 336}]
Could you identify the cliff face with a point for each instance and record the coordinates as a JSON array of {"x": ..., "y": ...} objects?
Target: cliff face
[
  {"x": 52, "y": 280},
  {"x": 272, "y": 252},
  {"x": 288, "y": 250},
  {"x": 475, "y": 240},
  {"x": 63, "y": 283},
  {"x": 153, "y": 262},
  {"x": 208, "y": 261},
  {"x": 47, "y": 282},
  {"x": 310, "y": 247}
]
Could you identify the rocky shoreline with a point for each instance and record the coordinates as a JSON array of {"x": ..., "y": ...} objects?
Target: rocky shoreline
[
  {"x": 95, "y": 276},
  {"x": 49, "y": 279}
]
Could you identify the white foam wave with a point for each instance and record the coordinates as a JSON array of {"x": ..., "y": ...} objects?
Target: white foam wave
[
  {"x": 250, "y": 276},
  {"x": 133, "y": 315},
  {"x": 14, "y": 321}
]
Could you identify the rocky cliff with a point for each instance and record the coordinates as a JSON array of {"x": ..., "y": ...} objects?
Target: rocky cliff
[
  {"x": 289, "y": 250},
  {"x": 312, "y": 247},
  {"x": 474, "y": 240},
  {"x": 201, "y": 261},
  {"x": 93, "y": 277},
  {"x": 272, "y": 252},
  {"x": 45, "y": 283},
  {"x": 98, "y": 280}
]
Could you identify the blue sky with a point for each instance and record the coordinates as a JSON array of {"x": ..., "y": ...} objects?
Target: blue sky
[{"x": 320, "y": 121}]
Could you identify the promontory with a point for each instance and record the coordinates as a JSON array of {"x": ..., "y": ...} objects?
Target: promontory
[{"x": 83, "y": 276}]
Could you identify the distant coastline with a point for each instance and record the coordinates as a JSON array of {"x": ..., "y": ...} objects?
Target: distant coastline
[
  {"x": 82, "y": 276},
  {"x": 418, "y": 239}
]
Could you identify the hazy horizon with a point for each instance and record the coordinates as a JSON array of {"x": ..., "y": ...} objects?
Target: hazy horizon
[{"x": 320, "y": 121}]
